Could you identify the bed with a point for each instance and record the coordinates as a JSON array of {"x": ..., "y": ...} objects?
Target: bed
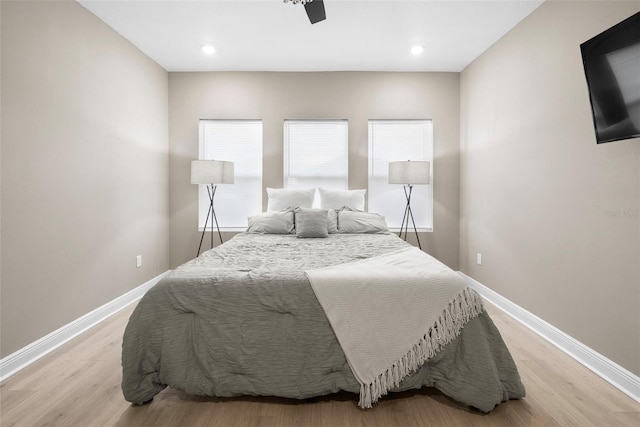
[{"x": 243, "y": 319}]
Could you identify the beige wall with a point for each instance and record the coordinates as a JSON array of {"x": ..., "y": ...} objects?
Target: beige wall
[
  {"x": 555, "y": 216},
  {"x": 273, "y": 97},
  {"x": 84, "y": 167}
]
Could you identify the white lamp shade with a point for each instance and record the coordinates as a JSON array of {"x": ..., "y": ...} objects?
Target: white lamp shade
[
  {"x": 211, "y": 172},
  {"x": 409, "y": 172}
]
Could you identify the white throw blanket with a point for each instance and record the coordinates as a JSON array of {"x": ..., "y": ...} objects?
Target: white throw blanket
[{"x": 391, "y": 313}]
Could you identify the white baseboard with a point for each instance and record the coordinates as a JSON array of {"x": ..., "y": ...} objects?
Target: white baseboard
[
  {"x": 37, "y": 349},
  {"x": 610, "y": 371}
]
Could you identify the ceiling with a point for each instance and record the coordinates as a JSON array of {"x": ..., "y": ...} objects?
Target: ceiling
[{"x": 270, "y": 35}]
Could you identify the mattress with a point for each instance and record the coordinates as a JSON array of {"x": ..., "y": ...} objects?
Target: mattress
[{"x": 242, "y": 319}]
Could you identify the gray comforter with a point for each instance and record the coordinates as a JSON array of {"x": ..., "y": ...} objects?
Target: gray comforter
[{"x": 242, "y": 319}]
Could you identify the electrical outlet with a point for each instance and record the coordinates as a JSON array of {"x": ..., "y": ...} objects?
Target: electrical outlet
[
  {"x": 138, "y": 261},
  {"x": 479, "y": 258}
]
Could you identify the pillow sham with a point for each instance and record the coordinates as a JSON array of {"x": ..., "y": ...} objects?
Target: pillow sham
[
  {"x": 279, "y": 222},
  {"x": 281, "y": 198},
  {"x": 337, "y": 199},
  {"x": 332, "y": 221},
  {"x": 311, "y": 223},
  {"x": 357, "y": 222}
]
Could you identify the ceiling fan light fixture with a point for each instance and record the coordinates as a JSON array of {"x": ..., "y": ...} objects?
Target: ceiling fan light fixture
[
  {"x": 303, "y": 2},
  {"x": 315, "y": 10}
]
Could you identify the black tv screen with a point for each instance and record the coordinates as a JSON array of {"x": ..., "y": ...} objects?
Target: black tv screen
[{"x": 612, "y": 67}]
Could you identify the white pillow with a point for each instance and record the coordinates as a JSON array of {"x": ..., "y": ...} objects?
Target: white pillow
[
  {"x": 337, "y": 199},
  {"x": 280, "y": 198},
  {"x": 280, "y": 222},
  {"x": 355, "y": 222}
]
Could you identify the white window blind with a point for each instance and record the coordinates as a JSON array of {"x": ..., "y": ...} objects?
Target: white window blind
[
  {"x": 240, "y": 142},
  {"x": 399, "y": 140},
  {"x": 316, "y": 154}
]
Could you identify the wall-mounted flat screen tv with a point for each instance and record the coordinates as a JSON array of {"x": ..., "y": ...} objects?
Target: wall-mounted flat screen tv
[{"x": 612, "y": 67}]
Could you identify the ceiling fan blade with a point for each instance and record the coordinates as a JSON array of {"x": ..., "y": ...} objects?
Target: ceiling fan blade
[{"x": 315, "y": 11}]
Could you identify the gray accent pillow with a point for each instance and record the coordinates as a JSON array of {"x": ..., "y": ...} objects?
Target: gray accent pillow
[
  {"x": 332, "y": 221},
  {"x": 311, "y": 223},
  {"x": 357, "y": 222},
  {"x": 278, "y": 222}
]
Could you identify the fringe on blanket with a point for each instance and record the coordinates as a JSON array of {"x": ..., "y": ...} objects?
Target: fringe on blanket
[{"x": 466, "y": 305}]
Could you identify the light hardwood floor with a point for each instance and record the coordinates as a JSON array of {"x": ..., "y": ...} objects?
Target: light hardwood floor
[{"x": 79, "y": 385}]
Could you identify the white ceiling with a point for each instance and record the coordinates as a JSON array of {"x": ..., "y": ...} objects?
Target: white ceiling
[{"x": 269, "y": 35}]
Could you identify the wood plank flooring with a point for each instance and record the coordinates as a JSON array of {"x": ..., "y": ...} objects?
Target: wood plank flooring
[{"x": 79, "y": 385}]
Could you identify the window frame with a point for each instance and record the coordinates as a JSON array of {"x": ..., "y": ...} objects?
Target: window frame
[
  {"x": 421, "y": 193},
  {"x": 227, "y": 193},
  {"x": 324, "y": 181}
]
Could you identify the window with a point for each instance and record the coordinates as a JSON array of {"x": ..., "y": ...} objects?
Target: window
[
  {"x": 240, "y": 142},
  {"x": 399, "y": 140},
  {"x": 316, "y": 154}
]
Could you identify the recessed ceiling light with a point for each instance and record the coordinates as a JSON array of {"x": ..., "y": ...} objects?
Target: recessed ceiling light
[
  {"x": 208, "y": 49},
  {"x": 417, "y": 50}
]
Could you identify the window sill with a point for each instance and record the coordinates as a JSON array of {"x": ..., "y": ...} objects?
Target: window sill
[
  {"x": 224, "y": 230},
  {"x": 411, "y": 231},
  {"x": 241, "y": 229}
]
